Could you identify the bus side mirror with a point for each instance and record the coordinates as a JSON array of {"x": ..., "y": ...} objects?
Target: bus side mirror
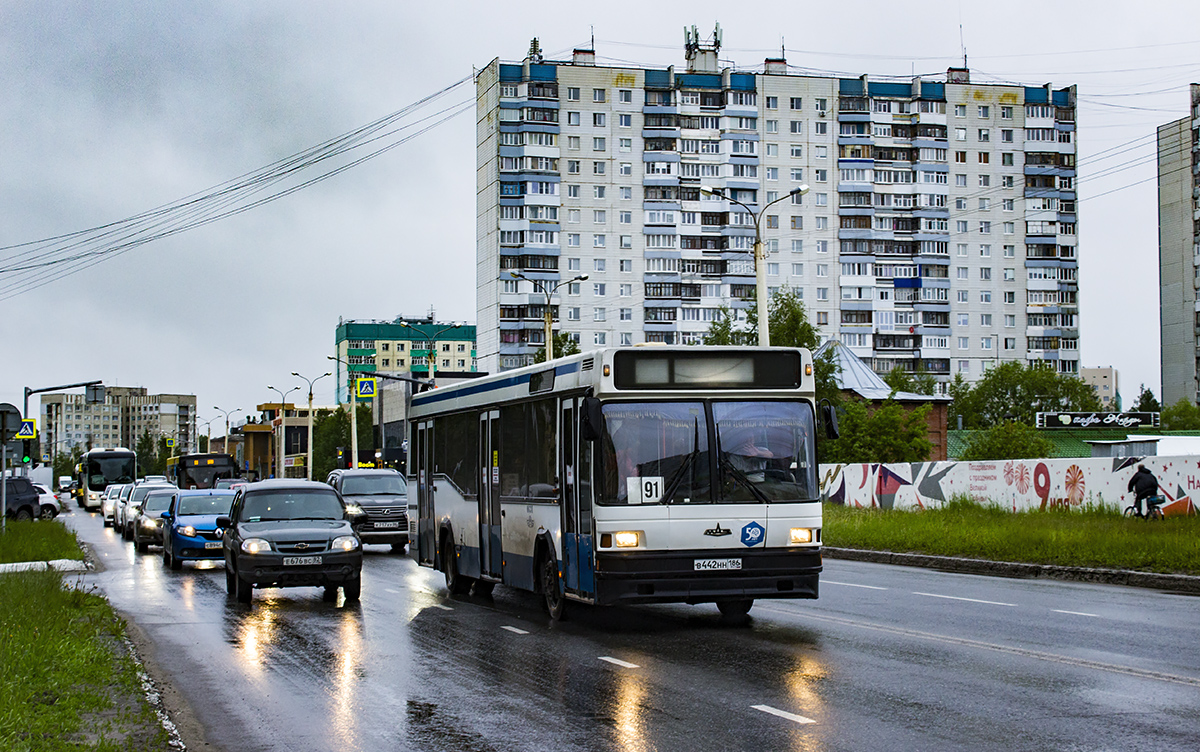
[
  {"x": 592, "y": 420},
  {"x": 829, "y": 415}
]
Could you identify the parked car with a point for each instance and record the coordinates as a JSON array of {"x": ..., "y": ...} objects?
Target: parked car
[
  {"x": 108, "y": 502},
  {"x": 285, "y": 533},
  {"x": 129, "y": 506},
  {"x": 190, "y": 531},
  {"x": 229, "y": 483},
  {"x": 155, "y": 479},
  {"x": 65, "y": 482},
  {"x": 21, "y": 499},
  {"x": 49, "y": 504},
  {"x": 147, "y": 523},
  {"x": 383, "y": 497}
]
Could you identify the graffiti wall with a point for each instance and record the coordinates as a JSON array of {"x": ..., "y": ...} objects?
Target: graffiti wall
[{"x": 1016, "y": 484}]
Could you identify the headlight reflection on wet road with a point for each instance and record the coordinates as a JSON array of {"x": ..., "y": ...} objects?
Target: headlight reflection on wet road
[{"x": 346, "y": 680}]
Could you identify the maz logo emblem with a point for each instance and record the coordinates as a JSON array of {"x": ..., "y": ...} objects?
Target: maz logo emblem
[{"x": 718, "y": 531}]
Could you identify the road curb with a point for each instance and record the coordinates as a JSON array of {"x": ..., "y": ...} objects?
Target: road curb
[
  {"x": 1179, "y": 583},
  {"x": 58, "y": 565}
]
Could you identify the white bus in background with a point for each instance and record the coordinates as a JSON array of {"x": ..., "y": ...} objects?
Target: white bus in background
[{"x": 625, "y": 475}]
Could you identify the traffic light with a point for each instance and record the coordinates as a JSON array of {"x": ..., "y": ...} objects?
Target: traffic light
[
  {"x": 341, "y": 457},
  {"x": 26, "y": 450}
]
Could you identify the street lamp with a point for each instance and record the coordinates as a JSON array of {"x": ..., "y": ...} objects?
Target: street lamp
[
  {"x": 207, "y": 432},
  {"x": 432, "y": 343},
  {"x": 282, "y": 402},
  {"x": 226, "y": 413},
  {"x": 548, "y": 290},
  {"x": 760, "y": 258},
  {"x": 308, "y": 461}
]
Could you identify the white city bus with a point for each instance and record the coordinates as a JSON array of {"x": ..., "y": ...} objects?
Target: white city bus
[{"x": 624, "y": 475}]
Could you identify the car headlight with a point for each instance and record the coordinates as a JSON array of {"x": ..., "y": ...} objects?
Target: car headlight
[
  {"x": 625, "y": 539},
  {"x": 149, "y": 522},
  {"x": 188, "y": 530},
  {"x": 255, "y": 546},
  {"x": 353, "y": 509},
  {"x": 798, "y": 535},
  {"x": 344, "y": 543}
]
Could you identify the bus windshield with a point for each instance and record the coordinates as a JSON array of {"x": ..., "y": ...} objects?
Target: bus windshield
[
  {"x": 662, "y": 452},
  {"x": 101, "y": 471}
]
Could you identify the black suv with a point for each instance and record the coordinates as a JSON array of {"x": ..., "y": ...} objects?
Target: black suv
[
  {"x": 22, "y": 500},
  {"x": 287, "y": 533},
  {"x": 383, "y": 497}
]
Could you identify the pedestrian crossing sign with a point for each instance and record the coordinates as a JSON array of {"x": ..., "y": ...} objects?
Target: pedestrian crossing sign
[
  {"x": 365, "y": 387},
  {"x": 28, "y": 429},
  {"x": 170, "y": 443}
]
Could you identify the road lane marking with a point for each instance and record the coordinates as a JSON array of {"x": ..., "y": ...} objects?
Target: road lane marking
[
  {"x": 444, "y": 608},
  {"x": 783, "y": 714},
  {"x": 514, "y": 630},
  {"x": 969, "y": 600},
  {"x": 618, "y": 662},
  {"x": 850, "y": 584},
  {"x": 1138, "y": 673},
  {"x": 393, "y": 592},
  {"x": 1073, "y": 613}
]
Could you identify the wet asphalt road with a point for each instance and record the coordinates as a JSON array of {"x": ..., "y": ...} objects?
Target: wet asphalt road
[{"x": 889, "y": 658}]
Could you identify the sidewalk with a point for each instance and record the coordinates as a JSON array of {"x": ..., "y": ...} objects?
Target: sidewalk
[
  {"x": 58, "y": 565},
  {"x": 1177, "y": 583}
]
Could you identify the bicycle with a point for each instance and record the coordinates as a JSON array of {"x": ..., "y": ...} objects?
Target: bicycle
[{"x": 1153, "y": 512}]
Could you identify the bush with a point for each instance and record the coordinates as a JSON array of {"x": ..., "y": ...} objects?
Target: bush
[{"x": 1007, "y": 441}]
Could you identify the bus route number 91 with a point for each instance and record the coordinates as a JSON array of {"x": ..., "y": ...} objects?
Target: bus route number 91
[{"x": 647, "y": 489}]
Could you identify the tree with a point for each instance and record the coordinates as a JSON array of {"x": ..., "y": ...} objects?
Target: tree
[
  {"x": 147, "y": 455},
  {"x": 918, "y": 382},
  {"x": 961, "y": 403},
  {"x": 564, "y": 345},
  {"x": 1015, "y": 391},
  {"x": 725, "y": 331},
  {"x": 1146, "y": 402},
  {"x": 887, "y": 433},
  {"x": 1182, "y": 416},
  {"x": 203, "y": 443},
  {"x": 1008, "y": 441},
  {"x": 787, "y": 322},
  {"x": 331, "y": 429},
  {"x": 64, "y": 463}
]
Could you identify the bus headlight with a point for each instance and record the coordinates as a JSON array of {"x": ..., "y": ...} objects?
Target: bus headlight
[
  {"x": 344, "y": 543},
  {"x": 625, "y": 539},
  {"x": 255, "y": 546},
  {"x": 798, "y": 535}
]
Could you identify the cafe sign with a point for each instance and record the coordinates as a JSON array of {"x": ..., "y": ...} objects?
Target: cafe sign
[{"x": 1097, "y": 420}]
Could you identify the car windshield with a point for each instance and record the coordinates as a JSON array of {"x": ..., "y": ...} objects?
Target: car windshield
[
  {"x": 158, "y": 502},
  {"x": 368, "y": 485},
  {"x": 291, "y": 504},
  {"x": 216, "y": 504}
]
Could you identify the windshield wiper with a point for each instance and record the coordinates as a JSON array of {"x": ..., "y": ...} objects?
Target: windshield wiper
[
  {"x": 677, "y": 478},
  {"x": 745, "y": 480}
]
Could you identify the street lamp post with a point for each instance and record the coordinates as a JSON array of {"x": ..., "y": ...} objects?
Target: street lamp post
[
  {"x": 226, "y": 413},
  {"x": 432, "y": 344},
  {"x": 545, "y": 287},
  {"x": 308, "y": 460},
  {"x": 760, "y": 257},
  {"x": 282, "y": 428},
  {"x": 207, "y": 432}
]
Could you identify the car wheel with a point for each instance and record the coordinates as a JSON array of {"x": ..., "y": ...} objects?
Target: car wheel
[
  {"x": 176, "y": 562},
  {"x": 107, "y": 522},
  {"x": 556, "y": 604},
  {"x": 398, "y": 548},
  {"x": 244, "y": 591},
  {"x": 230, "y": 581},
  {"x": 455, "y": 582},
  {"x": 735, "y": 610},
  {"x": 49, "y": 513},
  {"x": 141, "y": 545},
  {"x": 23, "y": 514},
  {"x": 352, "y": 589},
  {"x": 166, "y": 557},
  {"x": 330, "y": 593}
]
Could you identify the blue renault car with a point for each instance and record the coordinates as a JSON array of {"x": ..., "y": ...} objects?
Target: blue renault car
[{"x": 191, "y": 532}]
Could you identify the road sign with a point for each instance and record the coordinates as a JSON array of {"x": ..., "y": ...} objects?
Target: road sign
[
  {"x": 170, "y": 443},
  {"x": 10, "y": 421},
  {"x": 45, "y": 458},
  {"x": 28, "y": 429},
  {"x": 365, "y": 387}
]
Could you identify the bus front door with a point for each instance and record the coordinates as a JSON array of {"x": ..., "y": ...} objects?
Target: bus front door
[
  {"x": 491, "y": 560},
  {"x": 578, "y": 570},
  {"x": 423, "y": 459}
]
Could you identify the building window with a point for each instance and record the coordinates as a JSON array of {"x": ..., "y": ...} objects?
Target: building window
[
  {"x": 572, "y": 118},
  {"x": 626, "y": 290},
  {"x": 598, "y": 289},
  {"x": 597, "y": 191},
  {"x": 598, "y": 119},
  {"x": 598, "y": 95},
  {"x": 599, "y": 144},
  {"x": 572, "y": 93},
  {"x": 626, "y": 314},
  {"x": 960, "y": 110}
]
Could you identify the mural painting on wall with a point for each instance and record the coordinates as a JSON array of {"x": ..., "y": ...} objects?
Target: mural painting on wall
[{"x": 1015, "y": 484}]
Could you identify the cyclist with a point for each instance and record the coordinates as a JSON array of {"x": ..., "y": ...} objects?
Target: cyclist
[{"x": 1145, "y": 485}]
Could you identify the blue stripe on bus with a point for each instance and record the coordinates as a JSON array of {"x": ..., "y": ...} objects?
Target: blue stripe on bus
[{"x": 429, "y": 398}]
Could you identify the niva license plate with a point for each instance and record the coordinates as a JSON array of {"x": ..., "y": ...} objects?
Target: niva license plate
[
  {"x": 212, "y": 544},
  {"x": 704, "y": 565},
  {"x": 291, "y": 561}
]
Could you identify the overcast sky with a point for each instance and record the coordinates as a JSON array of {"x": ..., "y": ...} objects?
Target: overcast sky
[{"x": 111, "y": 109}]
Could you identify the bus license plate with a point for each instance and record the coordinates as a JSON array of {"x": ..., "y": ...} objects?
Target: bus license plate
[
  {"x": 387, "y": 525},
  {"x": 704, "y": 565},
  {"x": 212, "y": 544},
  {"x": 289, "y": 561}
]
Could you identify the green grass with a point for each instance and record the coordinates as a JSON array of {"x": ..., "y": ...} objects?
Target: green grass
[
  {"x": 42, "y": 540},
  {"x": 1094, "y": 537},
  {"x": 67, "y": 684}
]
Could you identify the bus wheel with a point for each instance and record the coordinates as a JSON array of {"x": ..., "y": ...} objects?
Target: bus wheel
[
  {"x": 735, "y": 610},
  {"x": 556, "y": 604},
  {"x": 455, "y": 582}
]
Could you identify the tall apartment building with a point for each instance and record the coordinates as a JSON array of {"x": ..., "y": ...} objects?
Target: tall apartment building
[
  {"x": 126, "y": 413},
  {"x": 939, "y": 231},
  {"x": 401, "y": 347},
  {"x": 1179, "y": 254},
  {"x": 1104, "y": 381}
]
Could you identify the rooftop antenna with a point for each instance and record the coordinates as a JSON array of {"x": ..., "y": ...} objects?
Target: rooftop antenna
[
  {"x": 593, "y": 29},
  {"x": 961, "y": 42}
]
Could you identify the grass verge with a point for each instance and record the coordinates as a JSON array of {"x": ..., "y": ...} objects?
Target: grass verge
[
  {"x": 42, "y": 540},
  {"x": 1092, "y": 537},
  {"x": 69, "y": 683}
]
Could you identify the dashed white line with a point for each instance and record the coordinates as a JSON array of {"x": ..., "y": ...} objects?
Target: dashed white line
[
  {"x": 850, "y": 584},
  {"x": 1073, "y": 613},
  {"x": 444, "y": 608},
  {"x": 969, "y": 600},
  {"x": 514, "y": 630},
  {"x": 393, "y": 592},
  {"x": 783, "y": 714},
  {"x": 618, "y": 662}
]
